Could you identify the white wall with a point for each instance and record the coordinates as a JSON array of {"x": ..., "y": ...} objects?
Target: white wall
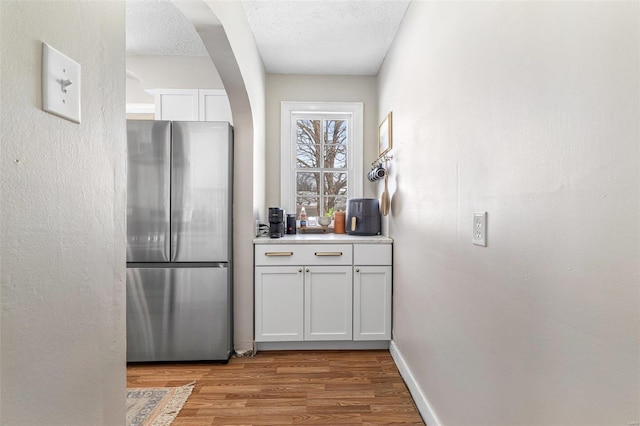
[
  {"x": 62, "y": 220},
  {"x": 318, "y": 88},
  {"x": 136, "y": 93},
  {"x": 529, "y": 111},
  {"x": 170, "y": 72}
]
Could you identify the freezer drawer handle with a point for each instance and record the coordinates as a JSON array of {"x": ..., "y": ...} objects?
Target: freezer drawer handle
[
  {"x": 328, "y": 253},
  {"x": 279, "y": 253}
]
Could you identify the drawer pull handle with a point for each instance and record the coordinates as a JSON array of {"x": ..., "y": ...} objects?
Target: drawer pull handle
[
  {"x": 279, "y": 253},
  {"x": 328, "y": 253}
]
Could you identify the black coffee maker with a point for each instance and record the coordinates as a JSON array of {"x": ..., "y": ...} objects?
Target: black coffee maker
[{"x": 276, "y": 222}]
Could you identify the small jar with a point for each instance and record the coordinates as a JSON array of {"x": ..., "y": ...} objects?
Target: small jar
[{"x": 339, "y": 219}]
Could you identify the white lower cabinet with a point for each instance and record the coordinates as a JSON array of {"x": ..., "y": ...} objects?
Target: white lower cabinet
[
  {"x": 279, "y": 294},
  {"x": 372, "y": 303},
  {"x": 328, "y": 304},
  {"x": 327, "y": 297},
  {"x": 295, "y": 303}
]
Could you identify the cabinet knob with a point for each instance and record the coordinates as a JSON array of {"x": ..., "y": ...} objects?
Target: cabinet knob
[
  {"x": 300, "y": 270},
  {"x": 307, "y": 269},
  {"x": 357, "y": 269}
]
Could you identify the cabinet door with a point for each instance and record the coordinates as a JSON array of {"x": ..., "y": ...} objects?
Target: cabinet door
[
  {"x": 279, "y": 301},
  {"x": 214, "y": 105},
  {"x": 372, "y": 303},
  {"x": 177, "y": 104},
  {"x": 328, "y": 298}
]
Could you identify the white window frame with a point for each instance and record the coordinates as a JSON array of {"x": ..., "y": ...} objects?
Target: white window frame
[{"x": 289, "y": 112}]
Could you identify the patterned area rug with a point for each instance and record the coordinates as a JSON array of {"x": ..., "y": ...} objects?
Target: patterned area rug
[{"x": 155, "y": 406}]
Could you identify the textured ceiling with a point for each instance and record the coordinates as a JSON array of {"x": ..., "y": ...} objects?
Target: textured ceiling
[
  {"x": 343, "y": 37},
  {"x": 340, "y": 37},
  {"x": 158, "y": 28}
]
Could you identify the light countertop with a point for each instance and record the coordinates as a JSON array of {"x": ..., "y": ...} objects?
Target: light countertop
[{"x": 324, "y": 238}]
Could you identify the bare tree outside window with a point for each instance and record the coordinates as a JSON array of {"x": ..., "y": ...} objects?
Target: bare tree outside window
[{"x": 321, "y": 165}]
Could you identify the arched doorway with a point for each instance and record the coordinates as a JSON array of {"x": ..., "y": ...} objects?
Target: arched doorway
[{"x": 224, "y": 30}]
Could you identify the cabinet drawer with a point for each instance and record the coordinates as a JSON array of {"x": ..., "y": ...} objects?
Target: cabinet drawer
[
  {"x": 372, "y": 254},
  {"x": 303, "y": 254}
]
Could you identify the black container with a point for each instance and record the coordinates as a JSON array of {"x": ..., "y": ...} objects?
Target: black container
[
  {"x": 291, "y": 224},
  {"x": 276, "y": 222},
  {"x": 363, "y": 216}
]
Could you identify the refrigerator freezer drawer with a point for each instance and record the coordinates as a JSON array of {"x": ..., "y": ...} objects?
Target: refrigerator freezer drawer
[{"x": 178, "y": 314}]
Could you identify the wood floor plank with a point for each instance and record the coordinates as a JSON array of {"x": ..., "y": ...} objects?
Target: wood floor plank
[
  {"x": 329, "y": 419},
  {"x": 288, "y": 387}
]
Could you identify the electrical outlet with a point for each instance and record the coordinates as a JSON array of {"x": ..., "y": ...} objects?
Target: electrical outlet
[{"x": 479, "y": 236}]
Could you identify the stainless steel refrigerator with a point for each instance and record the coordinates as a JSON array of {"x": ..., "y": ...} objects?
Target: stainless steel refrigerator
[{"x": 179, "y": 241}]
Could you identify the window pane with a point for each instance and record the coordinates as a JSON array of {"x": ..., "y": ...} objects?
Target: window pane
[
  {"x": 335, "y": 139},
  {"x": 307, "y": 183},
  {"x": 338, "y": 203},
  {"x": 321, "y": 144},
  {"x": 335, "y": 156},
  {"x": 335, "y": 183},
  {"x": 310, "y": 205},
  {"x": 308, "y": 140},
  {"x": 307, "y": 156},
  {"x": 335, "y": 132}
]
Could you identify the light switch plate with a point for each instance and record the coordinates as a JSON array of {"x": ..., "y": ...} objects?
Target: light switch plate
[
  {"x": 60, "y": 84},
  {"x": 479, "y": 236}
]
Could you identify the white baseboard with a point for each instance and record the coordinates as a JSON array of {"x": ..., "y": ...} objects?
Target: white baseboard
[
  {"x": 322, "y": 345},
  {"x": 421, "y": 401}
]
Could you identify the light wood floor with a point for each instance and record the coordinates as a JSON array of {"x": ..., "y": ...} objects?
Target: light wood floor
[{"x": 288, "y": 387}]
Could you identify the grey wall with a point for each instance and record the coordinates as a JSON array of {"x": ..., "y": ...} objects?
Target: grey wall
[
  {"x": 317, "y": 88},
  {"x": 529, "y": 111},
  {"x": 62, "y": 220}
]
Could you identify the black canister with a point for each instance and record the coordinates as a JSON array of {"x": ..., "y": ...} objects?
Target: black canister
[{"x": 291, "y": 224}]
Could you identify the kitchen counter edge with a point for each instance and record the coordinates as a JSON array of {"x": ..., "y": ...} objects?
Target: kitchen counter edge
[{"x": 324, "y": 239}]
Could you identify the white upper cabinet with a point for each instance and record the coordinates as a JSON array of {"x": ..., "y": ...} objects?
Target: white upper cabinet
[
  {"x": 192, "y": 105},
  {"x": 214, "y": 105},
  {"x": 177, "y": 104}
]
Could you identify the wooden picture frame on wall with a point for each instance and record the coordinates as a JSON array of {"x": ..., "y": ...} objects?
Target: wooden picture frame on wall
[{"x": 385, "y": 140}]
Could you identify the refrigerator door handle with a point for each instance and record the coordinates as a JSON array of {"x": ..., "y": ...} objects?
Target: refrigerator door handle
[
  {"x": 178, "y": 174},
  {"x": 169, "y": 233},
  {"x": 167, "y": 245},
  {"x": 174, "y": 242},
  {"x": 176, "y": 219}
]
